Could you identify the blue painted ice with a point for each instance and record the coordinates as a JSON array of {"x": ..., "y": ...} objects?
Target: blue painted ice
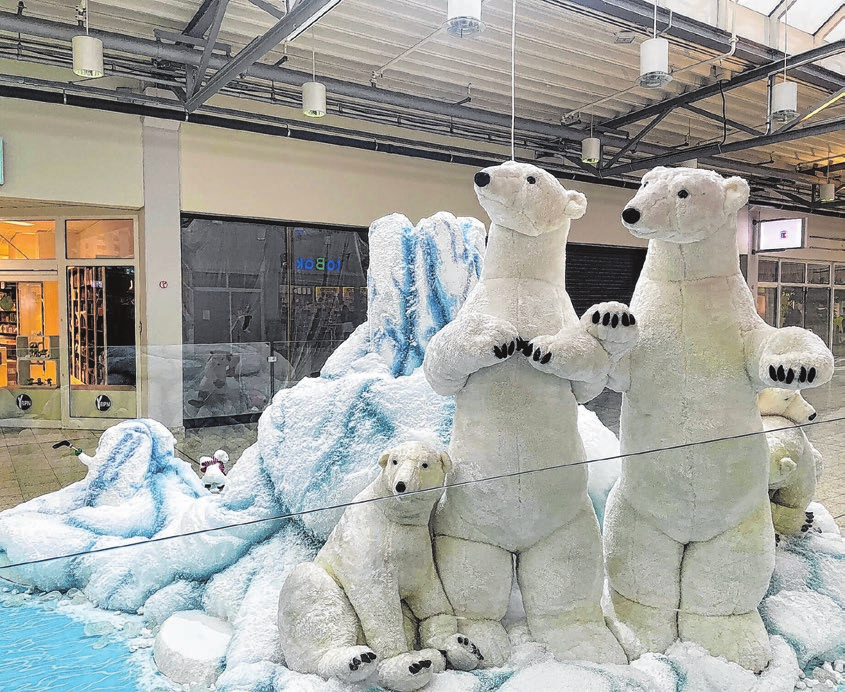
[{"x": 317, "y": 447}]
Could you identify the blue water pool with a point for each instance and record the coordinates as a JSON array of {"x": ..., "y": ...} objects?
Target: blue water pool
[{"x": 47, "y": 645}]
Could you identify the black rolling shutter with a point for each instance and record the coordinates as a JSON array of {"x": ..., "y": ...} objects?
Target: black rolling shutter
[{"x": 598, "y": 273}]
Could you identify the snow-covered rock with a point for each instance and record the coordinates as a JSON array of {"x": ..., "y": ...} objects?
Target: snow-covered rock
[{"x": 191, "y": 647}]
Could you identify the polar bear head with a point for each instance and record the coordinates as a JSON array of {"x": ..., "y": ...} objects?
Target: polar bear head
[
  {"x": 684, "y": 205},
  {"x": 527, "y": 199},
  {"x": 413, "y": 466},
  {"x": 774, "y": 401}
]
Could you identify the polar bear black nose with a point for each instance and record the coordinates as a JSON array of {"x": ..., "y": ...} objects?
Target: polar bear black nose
[
  {"x": 630, "y": 215},
  {"x": 400, "y": 487},
  {"x": 482, "y": 178},
  {"x": 812, "y": 416}
]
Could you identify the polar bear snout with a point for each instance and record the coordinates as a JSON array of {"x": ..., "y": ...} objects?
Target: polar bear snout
[
  {"x": 482, "y": 179},
  {"x": 631, "y": 215}
]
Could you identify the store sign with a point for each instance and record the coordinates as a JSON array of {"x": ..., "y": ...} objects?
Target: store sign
[
  {"x": 780, "y": 234},
  {"x": 24, "y": 402},
  {"x": 318, "y": 264},
  {"x": 102, "y": 402}
]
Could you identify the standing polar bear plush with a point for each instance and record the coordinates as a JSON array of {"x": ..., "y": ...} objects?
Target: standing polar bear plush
[
  {"x": 518, "y": 359},
  {"x": 356, "y": 611},
  {"x": 689, "y": 543},
  {"x": 795, "y": 465}
]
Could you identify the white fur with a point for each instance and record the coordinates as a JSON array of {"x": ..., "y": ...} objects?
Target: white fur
[
  {"x": 517, "y": 414},
  {"x": 688, "y": 534},
  {"x": 373, "y": 585},
  {"x": 794, "y": 464}
]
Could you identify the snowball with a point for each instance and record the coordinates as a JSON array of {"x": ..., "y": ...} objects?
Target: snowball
[{"x": 191, "y": 647}]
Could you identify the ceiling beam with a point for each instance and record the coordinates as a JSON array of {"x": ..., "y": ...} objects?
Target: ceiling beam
[
  {"x": 213, "y": 32},
  {"x": 635, "y": 140},
  {"x": 201, "y": 20},
  {"x": 719, "y": 149},
  {"x": 272, "y": 10},
  {"x": 813, "y": 110},
  {"x": 718, "y": 118},
  {"x": 743, "y": 78},
  {"x": 303, "y": 15}
]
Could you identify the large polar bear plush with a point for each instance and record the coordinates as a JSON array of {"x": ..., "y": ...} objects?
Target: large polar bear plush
[
  {"x": 689, "y": 542},
  {"x": 518, "y": 359},
  {"x": 358, "y": 609},
  {"x": 794, "y": 464}
]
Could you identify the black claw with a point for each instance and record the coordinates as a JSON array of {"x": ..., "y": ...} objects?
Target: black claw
[
  {"x": 777, "y": 538},
  {"x": 352, "y": 666},
  {"x": 596, "y": 317},
  {"x": 356, "y": 661},
  {"x": 781, "y": 373},
  {"x": 790, "y": 375},
  {"x": 480, "y": 655},
  {"x": 773, "y": 374},
  {"x": 414, "y": 668},
  {"x": 802, "y": 376},
  {"x": 511, "y": 347},
  {"x": 805, "y": 528},
  {"x": 606, "y": 319},
  {"x": 811, "y": 375},
  {"x": 520, "y": 343},
  {"x": 625, "y": 320},
  {"x": 497, "y": 352},
  {"x": 614, "y": 322},
  {"x": 809, "y": 515},
  {"x": 545, "y": 359},
  {"x": 536, "y": 355},
  {"x": 461, "y": 640},
  {"x": 528, "y": 349},
  {"x": 633, "y": 321}
]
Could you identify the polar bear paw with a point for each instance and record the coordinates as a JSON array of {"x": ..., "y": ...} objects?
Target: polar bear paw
[
  {"x": 461, "y": 653},
  {"x": 405, "y": 672},
  {"x": 348, "y": 663},
  {"x": 613, "y": 325},
  {"x": 794, "y": 358}
]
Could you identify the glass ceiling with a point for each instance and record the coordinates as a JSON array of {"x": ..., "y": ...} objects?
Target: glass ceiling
[{"x": 805, "y": 15}]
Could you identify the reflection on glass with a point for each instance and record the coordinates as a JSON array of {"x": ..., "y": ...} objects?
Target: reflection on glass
[
  {"x": 29, "y": 326},
  {"x": 792, "y": 272},
  {"x": 839, "y": 275},
  {"x": 792, "y": 306},
  {"x": 818, "y": 274},
  {"x": 27, "y": 240},
  {"x": 817, "y": 315},
  {"x": 767, "y": 304},
  {"x": 100, "y": 239},
  {"x": 838, "y": 341},
  {"x": 767, "y": 270}
]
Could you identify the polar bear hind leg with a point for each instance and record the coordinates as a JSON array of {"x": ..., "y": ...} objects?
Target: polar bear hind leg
[
  {"x": 722, "y": 581},
  {"x": 477, "y": 578},
  {"x": 561, "y": 580},
  {"x": 643, "y": 569},
  {"x": 407, "y": 672},
  {"x": 318, "y": 628}
]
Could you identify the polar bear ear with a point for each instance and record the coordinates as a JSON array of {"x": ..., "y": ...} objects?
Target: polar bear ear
[
  {"x": 383, "y": 459},
  {"x": 446, "y": 462},
  {"x": 576, "y": 206},
  {"x": 736, "y": 194}
]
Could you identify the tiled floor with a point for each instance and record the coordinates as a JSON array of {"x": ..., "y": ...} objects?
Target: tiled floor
[{"x": 30, "y": 467}]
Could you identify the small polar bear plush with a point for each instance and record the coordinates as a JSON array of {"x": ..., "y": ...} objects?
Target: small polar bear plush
[
  {"x": 688, "y": 534},
  {"x": 372, "y": 590},
  {"x": 795, "y": 465},
  {"x": 518, "y": 360}
]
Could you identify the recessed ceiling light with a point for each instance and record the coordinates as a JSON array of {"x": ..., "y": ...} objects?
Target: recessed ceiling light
[{"x": 624, "y": 36}]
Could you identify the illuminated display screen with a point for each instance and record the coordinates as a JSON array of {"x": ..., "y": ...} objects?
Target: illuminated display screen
[{"x": 780, "y": 234}]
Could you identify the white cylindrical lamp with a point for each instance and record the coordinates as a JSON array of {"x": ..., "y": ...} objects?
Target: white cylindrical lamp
[
  {"x": 463, "y": 18},
  {"x": 654, "y": 63},
  {"x": 87, "y": 56},
  {"x": 827, "y": 192},
  {"x": 591, "y": 150},
  {"x": 785, "y": 101},
  {"x": 314, "y": 99}
]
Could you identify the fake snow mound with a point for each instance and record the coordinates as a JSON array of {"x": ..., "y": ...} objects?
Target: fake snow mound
[
  {"x": 191, "y": 647},
  {"x": 317, "y": 446}
]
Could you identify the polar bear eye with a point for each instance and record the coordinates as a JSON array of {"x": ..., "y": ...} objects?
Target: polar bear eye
[
  {"x": 531, "y": 179},
  {"x": 395, "y": 462},
  {"x": 683, "y": 194}
]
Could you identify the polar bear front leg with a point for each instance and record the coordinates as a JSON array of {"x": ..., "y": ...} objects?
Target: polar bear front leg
[
  {"x": 472, "y": 341},
  {"x": 478, "y": 578},
  {"x": 789, "y": 358},
  {"x": 561, "y": 580},
  {"x": 723, "y": 581},
  {"x": 643, "y": 571}
]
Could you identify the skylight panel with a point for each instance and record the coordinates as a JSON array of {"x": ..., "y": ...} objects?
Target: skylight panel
[
  {"x": 836, "y": 33},
  {"x": 761, "y": 6},
  {"x": 809, "y": 15}
]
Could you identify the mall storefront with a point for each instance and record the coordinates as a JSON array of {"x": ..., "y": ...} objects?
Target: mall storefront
[{"x": 68, "y": 323}]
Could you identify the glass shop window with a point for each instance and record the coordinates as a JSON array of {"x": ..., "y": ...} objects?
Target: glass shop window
[
  {"x": 29, "y": 334},
  {"x": 792, "y": 272},
  {"x": 100, "y": 239},
  {"x": 27, "y": 240},
  {"x": 838, "y": 341},
  {"x": 817, "y": 315},
  {"x": 101, "y": 325},
  {"x": 839, "y": 275},
  {"x": 767, "y": 301},
  {"x": 792, "y": 306},
  {"x": 767, "y": 270},
  {"x": 818, "y": 274}
]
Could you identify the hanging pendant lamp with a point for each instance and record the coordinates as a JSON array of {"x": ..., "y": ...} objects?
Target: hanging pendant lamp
[{"x": 87, "y": 52}]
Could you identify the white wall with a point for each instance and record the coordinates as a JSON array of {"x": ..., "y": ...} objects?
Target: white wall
[{"x": 70, "y": 155}]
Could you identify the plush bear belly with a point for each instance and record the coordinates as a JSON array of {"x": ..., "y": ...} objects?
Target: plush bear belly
[
  {"x": 511, "y": 418},
  {"x": 689, "y": 384}
]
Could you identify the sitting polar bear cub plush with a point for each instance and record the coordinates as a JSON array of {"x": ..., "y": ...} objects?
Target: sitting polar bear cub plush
[{"x": 357, "y": 609}]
